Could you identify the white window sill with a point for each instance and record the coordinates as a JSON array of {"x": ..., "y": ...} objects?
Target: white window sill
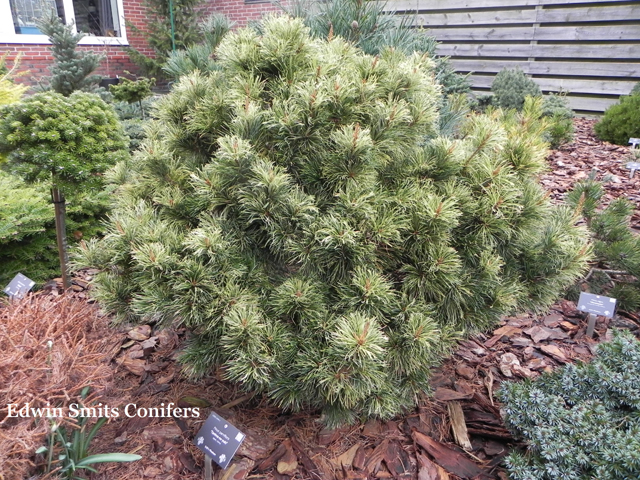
[{"x": 44, "y": 40}]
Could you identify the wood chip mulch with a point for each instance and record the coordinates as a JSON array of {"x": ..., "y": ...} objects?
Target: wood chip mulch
[
  {"x": 457, "y": 433},
  {"x": 586, "y": 155}
]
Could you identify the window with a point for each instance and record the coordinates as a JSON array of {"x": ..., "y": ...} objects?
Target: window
[{"x": 101, "y": 21}]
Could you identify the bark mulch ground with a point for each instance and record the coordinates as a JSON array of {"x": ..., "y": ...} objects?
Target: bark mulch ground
[{"x": 457, "y": 433}]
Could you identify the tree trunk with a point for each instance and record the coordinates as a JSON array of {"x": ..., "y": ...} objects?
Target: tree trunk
[{"x": 61, "y": 233}]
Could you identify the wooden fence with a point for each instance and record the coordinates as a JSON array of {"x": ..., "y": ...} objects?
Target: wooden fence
[{"x": 588, "y": 48}]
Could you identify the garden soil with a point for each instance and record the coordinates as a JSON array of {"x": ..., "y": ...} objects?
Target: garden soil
[{"x": 457, "y": 433}]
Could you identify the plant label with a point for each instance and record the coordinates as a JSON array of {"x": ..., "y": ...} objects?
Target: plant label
[
  {"x": 219, "y": 439},
  {"x": 19, "y": 286},
  {"x": 633, "y": 166},
  {"x": 634, "y": 142},
  {"x": 597, "y": 304}
]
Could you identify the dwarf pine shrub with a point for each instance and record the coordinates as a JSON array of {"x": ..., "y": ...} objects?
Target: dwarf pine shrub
[
  {"x": 289, "y": 210},
  {"x": 616, "y": 247},
  {"x": 560, "y": 118},
  {"x": 582, "y": 421}
]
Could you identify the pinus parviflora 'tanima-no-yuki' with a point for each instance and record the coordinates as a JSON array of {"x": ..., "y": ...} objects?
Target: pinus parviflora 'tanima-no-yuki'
[{"x": 288, "y": 210}]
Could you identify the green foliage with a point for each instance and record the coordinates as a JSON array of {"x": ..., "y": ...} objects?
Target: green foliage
[
  {"x": 621, "y": 121},
  {"x": 372, "y": 27},
  {"x": 616, "y": 248},
  {"x": 66, "y": 143},
  {"x": 132, "y": 91},
  {"x": 560, "y": 130},
  {"x": 72, "y": 68},
  {"x": 10, "y": 92},
  {"x": 200, "y": 56},
  {"x": 27, "y": 233},
  {"x": 70, "y": 140},
  {"x": 511, "y": 87},
  {"x": 134, "y": 121},
  {"x": 636, "y": 89},
  {"x": 299, "y": 213},
  {"x": 128, "y": 111},
  {"x": 135, "y": 130},
  {"x": 582, "y": 421},
  {"x": 158, "y": 32},
  {"x": 481, "y": 103},
  {"x": 71, "y": 444}
]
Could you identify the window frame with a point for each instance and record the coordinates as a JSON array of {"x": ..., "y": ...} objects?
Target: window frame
[{"x": 8, "y": 35}]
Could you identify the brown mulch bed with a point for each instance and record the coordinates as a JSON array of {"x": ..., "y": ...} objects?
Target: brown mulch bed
[
  {"x": 142, "y": 369},
  {"x": 586, "y": 155}
]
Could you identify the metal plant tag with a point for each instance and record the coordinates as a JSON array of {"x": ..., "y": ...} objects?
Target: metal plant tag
[
  {"x": 219, "y": 439},
  {"x": 19, "y": 286},
  {"x": 597, "y": 304}
]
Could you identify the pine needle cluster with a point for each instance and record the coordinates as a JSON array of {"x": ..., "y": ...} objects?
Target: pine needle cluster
[
  {"x": 372, "y": 27},
  {"x": 289, "y": 210},
  {"x": 582, "y": 421}
]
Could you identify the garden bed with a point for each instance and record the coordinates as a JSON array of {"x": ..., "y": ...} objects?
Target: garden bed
[{"x": 142, "y": 370}]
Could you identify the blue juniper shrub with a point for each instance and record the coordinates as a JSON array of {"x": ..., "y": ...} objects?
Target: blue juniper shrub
[{"x": 581, "y": 422}]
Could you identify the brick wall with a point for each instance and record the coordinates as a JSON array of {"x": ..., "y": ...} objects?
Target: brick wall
[
  {"x": 36, "y": 58},
  {"x": 240, "y": 11}
]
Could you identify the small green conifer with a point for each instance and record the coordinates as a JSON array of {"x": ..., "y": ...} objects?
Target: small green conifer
[{"x": 72, "y": 69}]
